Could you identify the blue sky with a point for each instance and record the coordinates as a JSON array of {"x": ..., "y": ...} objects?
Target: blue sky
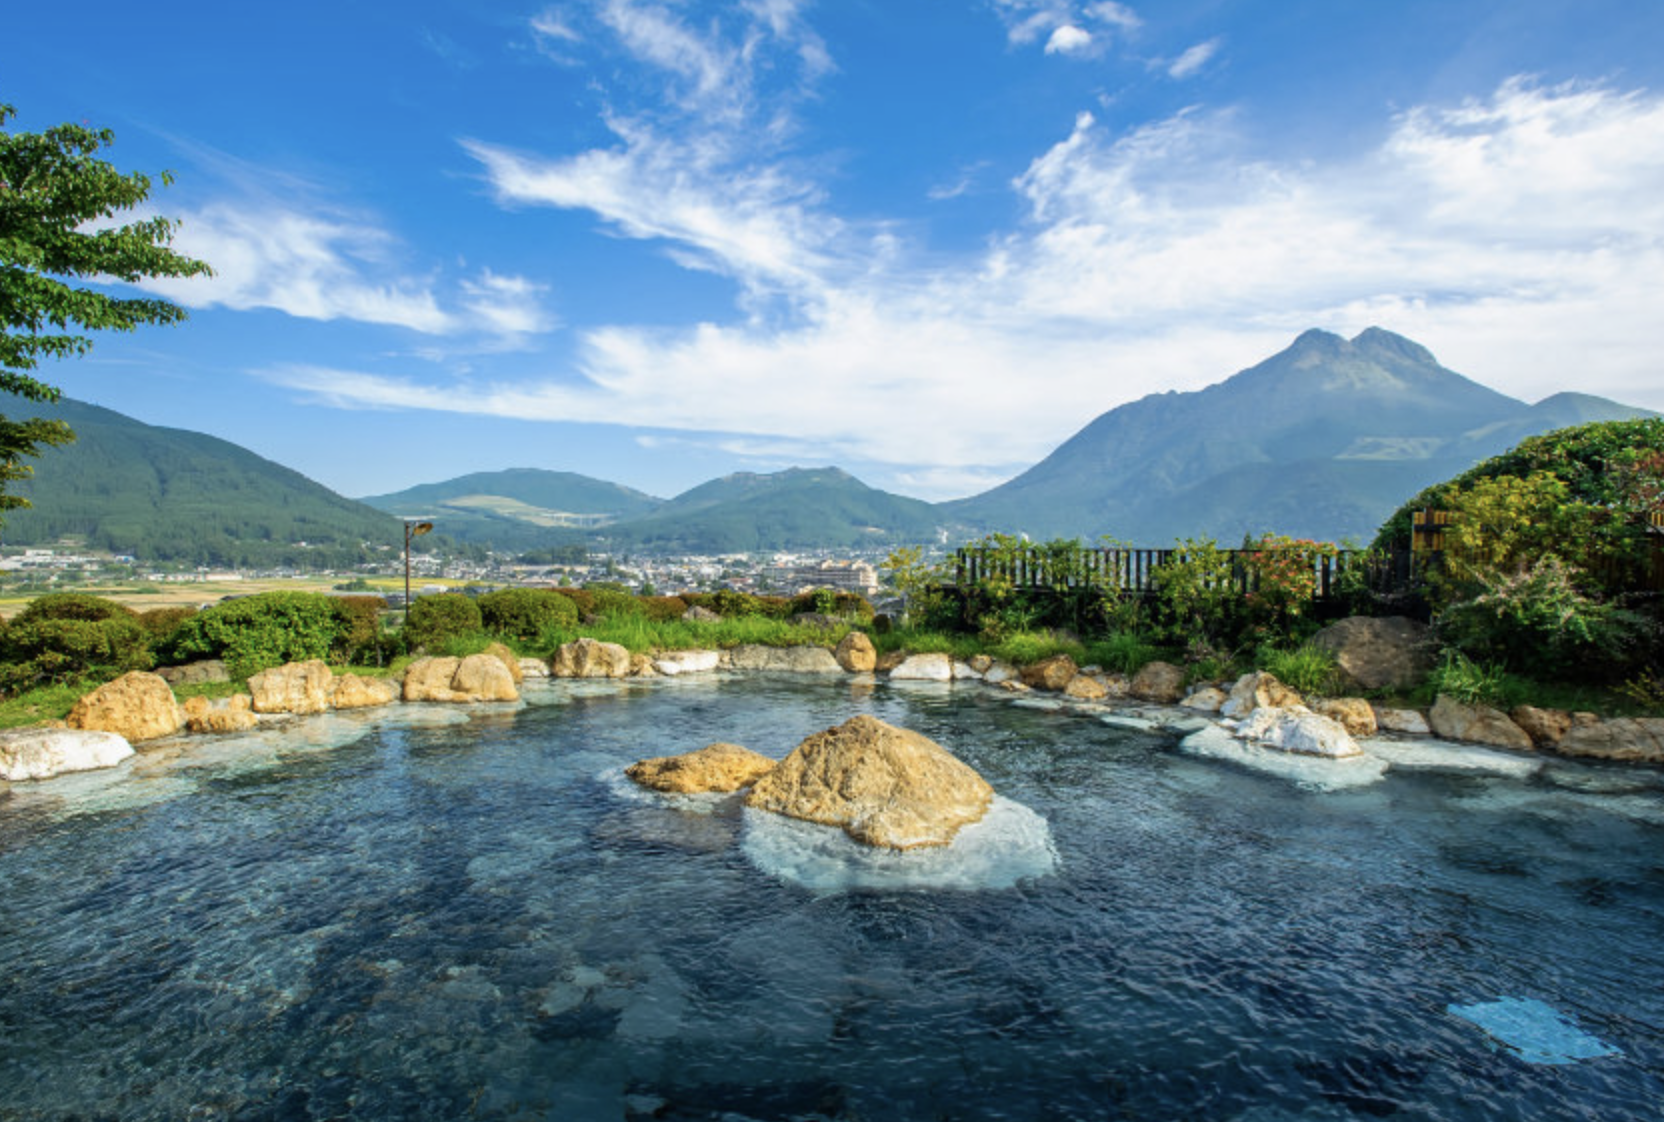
[{"x": 923, "y": 240}]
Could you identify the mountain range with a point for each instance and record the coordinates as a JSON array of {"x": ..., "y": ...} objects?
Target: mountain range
[{"x": 1323, "y": 440}]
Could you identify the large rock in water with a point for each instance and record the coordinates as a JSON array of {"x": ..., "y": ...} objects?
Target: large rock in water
[
  {"x": 590, "y": 658},
  {"x": 782, "y": 660},
  {"x": 479, "y": 677},
  {"x": 885, "y": 786},
  {"x": 295, "y": 687},
  {"x": 856, "y": 654},
  {"x": 713, "y": 769},
  {"x": 137, "y": 706},
  {"x": 43, "y": 753}
]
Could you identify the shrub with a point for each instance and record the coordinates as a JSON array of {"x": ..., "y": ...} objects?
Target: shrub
[
  {"x": 1461, "y": 679},
  {"x": 161, "y": 623},
  {"x": 663, "y": 609},
  {"x": 831, "y": 602},
  {"x": 1539, "y": 621},
  {"x": 65, "y": 636},
  {"x": 524, "y": 614},
  {"x": 1305, "y": 668},
  {"x": 1122, "y": 651},
  {"x": 612, "y": 602},
  {"x": 582, "y": 600},
  {"x": 360, "y": 636},
  {"x": 253, "y": 633},
  {"x": 437, "y": 620},
  {"x": 1196, "y": 597}
]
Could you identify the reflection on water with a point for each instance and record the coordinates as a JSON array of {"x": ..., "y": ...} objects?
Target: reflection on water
[{"x": 455, "y": 914}]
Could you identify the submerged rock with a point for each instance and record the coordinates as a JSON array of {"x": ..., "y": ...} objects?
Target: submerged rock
[
  {"x": 882, "y": 785},
  {"x": 1299, "y": 731},
  {"x": 42, "y": 753},
  {"x": 136, "y": 706},
  {"x": 716, "y": 768}
]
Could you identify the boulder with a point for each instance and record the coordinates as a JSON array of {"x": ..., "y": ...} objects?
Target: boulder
[
  {"x": 533, "y": 668},
  {"x": 1476, "y": 724},
  {"x": 590, "y": 658},
  {"x": 137, "y": 706},
  {"x": 1353, "y": 713},
  {"x": 964, "y": 671},
  {"x": 1545, "y": 727},
  {"x": 1086, "y": 687},
  {"x": 674, "y": 663},
  {"x": 999, "y": 673},
  {"x": 226, "y": 714},
  {"x": 1299, "y": 731},
  {"x": 1054, "y": 673},
  {"x": 478, "y": 677},
  {"x": 784, "y": 660},
  {"x": 884, "y": 786},
  {"x": 1392, "y": 652},
  {"x": 856, "y": 654},
  {"x": 42, "y": 753},
  {"x": 350, "y": 691},
  {"x": 1411, "y": 722},
  {"x": 1623, "y": 738},
  {"x": 202, "y": 673},
  {"x": 889, "y": 660},
  {"x": 931, "y": 667},
  {"x": 715, "y": 768},
  {"x": 510, "y": 660},
  {"x": 298, "y": 687},
  {"x": 981, "y": 663},
  {"x": 697, "y": 614},
  {"x": 641, "y": 666},
  {"x": 1160, "y": 682},
  {"x": 1208, "y": 699},
  {"x": 1259, "y": 690}
]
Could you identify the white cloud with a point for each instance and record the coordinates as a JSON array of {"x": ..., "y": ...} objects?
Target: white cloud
[
  {"x": 319, "y": 267},
  {"x": 1519, "y": 236},
  {"x": 1068, "y": 40},
  {"x": 1192, "y": 60},
  {"x": 1068, "y": 27}
]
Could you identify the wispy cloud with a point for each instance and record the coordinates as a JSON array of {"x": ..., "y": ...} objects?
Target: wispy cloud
[
  {"x": 1194, "y": 59},
  {"x": 1066, "y": 26}
]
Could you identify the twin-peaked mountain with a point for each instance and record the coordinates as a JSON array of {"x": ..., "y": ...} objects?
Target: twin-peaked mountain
[{"x": 1323, "y": 440}]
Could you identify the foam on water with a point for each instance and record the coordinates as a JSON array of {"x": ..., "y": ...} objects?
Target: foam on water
[
  {"x": 1010, "y": 844},
  {"x": 1446, "y": 755}
]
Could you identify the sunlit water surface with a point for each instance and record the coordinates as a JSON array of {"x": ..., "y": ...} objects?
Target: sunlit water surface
[{"x": 466, "y": 914}]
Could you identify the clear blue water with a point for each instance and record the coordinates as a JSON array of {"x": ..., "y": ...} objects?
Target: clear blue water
[{"x": 408, "y": 918}]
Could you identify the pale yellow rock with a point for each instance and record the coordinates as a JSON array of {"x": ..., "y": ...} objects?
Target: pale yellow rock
[
  {"x": 590, "y": 658},
  {"x": 856, "y": 654},
  {"x": 1353, "y": 713},
  {"x": 1054, "y": 673},
  {"x": 231, "y": 714},
  {"x": 1476, "y": 724},
  {"x": 889, "y": 661},
  {"x": 884, "y": 786},
  {"x": 1086, "y": 687},
  {"x": 510, "y": 660},
  {"x": 1158, "y": 681},
  {"x": 715, "y": 768},
  {"x": 298, "y": 687},
  {"x": 350, "y": 691},
  {"x": 479, "y": 677},
  {"x": 1260, "y": 690},
  {"x": 137, "y": 706}
]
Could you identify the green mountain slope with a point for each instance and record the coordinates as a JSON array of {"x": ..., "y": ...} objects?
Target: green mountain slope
[
  {"x": 796, "y": 508},
  {"x": 521, "y": 508},
  {"x": 166, "y": 494},
  {"x": 1322, "y": 440}
]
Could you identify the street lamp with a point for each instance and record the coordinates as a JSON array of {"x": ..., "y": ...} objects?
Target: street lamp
[{"x": 413, "y": 528}]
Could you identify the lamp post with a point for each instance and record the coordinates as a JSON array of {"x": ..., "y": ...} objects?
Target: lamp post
[{"x": 413, "y": 528}]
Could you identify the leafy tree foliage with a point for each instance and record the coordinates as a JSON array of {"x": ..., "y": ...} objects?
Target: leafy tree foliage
[
  {"x": 254, "y": 633},
  {"x": 437, "y": 620},
  {"x": 66, "y": 636},
  {"x": 57, "y": 203},
  {"x": 526, "y": 613}
]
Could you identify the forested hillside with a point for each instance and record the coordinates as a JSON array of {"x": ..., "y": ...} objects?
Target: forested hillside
[{"x": 166, "y": 494}]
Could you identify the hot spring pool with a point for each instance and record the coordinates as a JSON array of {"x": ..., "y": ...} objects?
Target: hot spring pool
[{"x": 447, "y": 914}]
